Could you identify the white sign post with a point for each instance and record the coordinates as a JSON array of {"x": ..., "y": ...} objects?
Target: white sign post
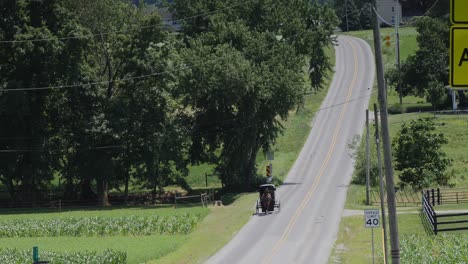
[{"x": 371, "y": 220}]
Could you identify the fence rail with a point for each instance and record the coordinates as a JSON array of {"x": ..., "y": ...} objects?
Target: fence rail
[
  {"x": 433, "y": 218},
  {"x": 204, "y": 199},
  {"x": 402, "y": 198},
  {"x": 56, "y": 203},
  {"x": 447, "y": 196}
]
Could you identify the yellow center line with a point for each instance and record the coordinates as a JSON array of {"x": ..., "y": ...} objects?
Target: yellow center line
[{"x": 306, "y": 199}]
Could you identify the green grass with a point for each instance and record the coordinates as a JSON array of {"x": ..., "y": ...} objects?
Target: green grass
[
  {"x": 353, "y": 244},
  {"x": 138, "y": 248},
  {"x": 354, "y": 241},
  {"x": 213, "y": 233},
  {"x": 408, "y": 46}
]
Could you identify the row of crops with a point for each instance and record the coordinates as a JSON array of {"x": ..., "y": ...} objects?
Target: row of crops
[
  {"x": 100, "y": 226},
  {"x": 88, "y": 257},
  {"x": 91, "y": 226},
  {"x": 440, "y": 249}
]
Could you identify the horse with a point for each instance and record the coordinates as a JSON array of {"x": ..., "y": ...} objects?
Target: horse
[{"x": 266, "y": 201}]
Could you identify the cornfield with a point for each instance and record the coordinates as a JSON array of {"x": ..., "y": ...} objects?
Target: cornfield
[
  {"x": 88, "y": 257},
  {"x": 100, "y": 226},
  {"x": 440, "y": 249}
]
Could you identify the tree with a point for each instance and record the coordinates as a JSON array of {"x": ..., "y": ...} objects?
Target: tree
[
  {"x": 25, "y": 119},
  {"x": 353, "y": 14},
  {"x": 418, "y": 154},
  {"x": 424, "y": 72},
  {"x": 246, "y": 72}
]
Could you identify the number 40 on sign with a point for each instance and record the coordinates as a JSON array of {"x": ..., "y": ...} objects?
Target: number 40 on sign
[{"x": 371, "y": 218}]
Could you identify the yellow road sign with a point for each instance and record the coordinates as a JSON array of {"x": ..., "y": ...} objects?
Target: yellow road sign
[
  {"x": 459, "y": 11},
  {"x": 458, "y": 56}
]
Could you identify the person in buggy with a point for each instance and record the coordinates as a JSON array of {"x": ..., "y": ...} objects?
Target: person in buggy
[{"x": 267, "y": 200}]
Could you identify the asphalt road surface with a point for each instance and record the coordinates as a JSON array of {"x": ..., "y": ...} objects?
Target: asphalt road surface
[{"x": 314, "y": 192}]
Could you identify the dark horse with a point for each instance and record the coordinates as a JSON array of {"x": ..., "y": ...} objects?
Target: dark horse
[{"x": 266, "y": 201}]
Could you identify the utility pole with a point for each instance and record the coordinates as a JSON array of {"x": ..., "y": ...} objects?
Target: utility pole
[
  {"x": 391, "y": 203},
  {"x": 346, "y": 13},
  {"x": 397, "y": 48},
  {"x": 382, "y": 196},
  {"x": 367, "y": 158}
]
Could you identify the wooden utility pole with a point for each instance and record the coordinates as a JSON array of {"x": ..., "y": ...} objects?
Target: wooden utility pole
[
  {"x": 382, "y": 196},
  {"x": 367, "y": 159},
  {"x": 397, "y": 48},
  {"x": 391, "y": 203}
]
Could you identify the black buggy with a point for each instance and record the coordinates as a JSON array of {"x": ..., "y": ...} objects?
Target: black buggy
[{"x": 267, "y": 201}]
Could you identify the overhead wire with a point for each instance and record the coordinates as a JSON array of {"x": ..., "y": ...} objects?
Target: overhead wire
[
  {"x": 186, "y": 67},
  {"x": 159, "y": 25},
  {"x": 122, "y": 146},
  {"x": 410, "y": 23},
  {"x": 147, "y": 76}
]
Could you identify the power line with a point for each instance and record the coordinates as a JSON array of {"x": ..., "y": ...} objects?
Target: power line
[
  {"x": 122, "y": 146},
  {"x": 124, "y": 31},
  {"x": 410, "y": 23},
  {"x": 186, "y": 67}
]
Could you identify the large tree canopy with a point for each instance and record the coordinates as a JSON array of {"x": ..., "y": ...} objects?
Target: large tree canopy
[
  {"x": 247, "y": 72},
  {"x": 101, "y": 95}
]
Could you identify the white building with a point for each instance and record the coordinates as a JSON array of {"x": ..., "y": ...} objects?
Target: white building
[{"x": 389, "y": 10}]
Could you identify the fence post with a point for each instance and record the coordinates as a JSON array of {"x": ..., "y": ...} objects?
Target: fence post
[
  {"x": 175, "y": 199},
  {"x": 457, "y": 197},
  {"x": 433, "y": 200},
  {"x": 435, "y": 223},
  {"x": 438, "y": 196}
]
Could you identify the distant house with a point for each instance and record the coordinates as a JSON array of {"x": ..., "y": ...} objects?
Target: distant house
[
  {"x": 389, "y": 10},
  {"x": 168, "y": 19},
  {"x": 166, "y": 15}
]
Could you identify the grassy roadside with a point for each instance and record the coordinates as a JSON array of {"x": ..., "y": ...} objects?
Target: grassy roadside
[
  {"x": 213, "y": 232},
  {"x": 353, "y": 244}
]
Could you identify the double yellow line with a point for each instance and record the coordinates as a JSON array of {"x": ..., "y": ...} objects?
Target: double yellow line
[{"x": 311, "y": 191}]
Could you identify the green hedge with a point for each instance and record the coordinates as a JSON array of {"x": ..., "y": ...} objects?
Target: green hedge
[
  {"x": 15, "y": 256},
  {"x": 99, "y": 226}
]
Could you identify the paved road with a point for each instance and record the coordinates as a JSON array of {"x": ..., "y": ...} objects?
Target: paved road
[{"x": 314, "y": 192}]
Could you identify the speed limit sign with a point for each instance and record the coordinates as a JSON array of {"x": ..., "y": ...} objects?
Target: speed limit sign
[{"x": 371, "y": 218}]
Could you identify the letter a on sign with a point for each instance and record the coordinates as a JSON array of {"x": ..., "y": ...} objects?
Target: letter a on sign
[
  {"x": 458, "y": 56},
  {"x": 464, "y": 57}
]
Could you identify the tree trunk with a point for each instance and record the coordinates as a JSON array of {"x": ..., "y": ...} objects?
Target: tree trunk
[
  {"x": 103, "y": 193},
  {"x": 127, "y": 179}
]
